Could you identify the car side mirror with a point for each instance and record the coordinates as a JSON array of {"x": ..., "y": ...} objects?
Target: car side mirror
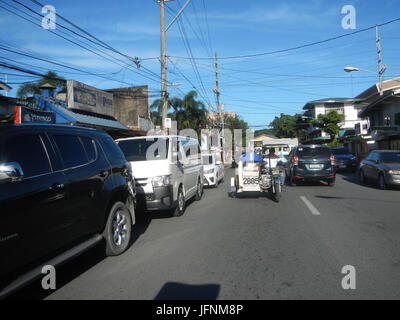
[{"x": 11, "y": 172}]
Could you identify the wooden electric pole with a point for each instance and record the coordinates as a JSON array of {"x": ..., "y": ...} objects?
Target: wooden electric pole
[{"x": 381, "y": 68}]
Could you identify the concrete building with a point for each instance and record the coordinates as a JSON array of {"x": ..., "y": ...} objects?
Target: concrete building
[
  {"x": 131, "y": 107},
  {"x": 349, "y": 107},
  {"x": 384, "y": 116},
  {"x": 213, "y": 116}
]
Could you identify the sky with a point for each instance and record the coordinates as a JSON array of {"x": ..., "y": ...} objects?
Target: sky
[{"x": 258, "y": 87}]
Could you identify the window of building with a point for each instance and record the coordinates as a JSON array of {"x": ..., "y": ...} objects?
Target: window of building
[{"x": 397, "y": 119}]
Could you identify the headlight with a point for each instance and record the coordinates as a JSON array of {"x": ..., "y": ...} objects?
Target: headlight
[
  {"x": 209, "y": 171},
  {"x": 395, "y": 172},
  {"x": 161, "y": 181}
]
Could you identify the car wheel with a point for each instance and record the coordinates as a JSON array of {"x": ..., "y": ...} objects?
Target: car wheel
[
  {"x": 381, "y": 182},
  {"x": 181, "y": 205},
  {"x": 292, "y": 180},
  {"x": 363, "y": 179},
  {"x": 117, "y": 232},
  {"x": 199, "y": 191}
]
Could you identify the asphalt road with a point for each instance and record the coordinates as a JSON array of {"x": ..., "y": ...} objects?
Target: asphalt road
[{"x": 252, "y": 248}]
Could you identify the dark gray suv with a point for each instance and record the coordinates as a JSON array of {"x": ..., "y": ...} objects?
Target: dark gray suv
[{"x": 311, "y": 163}]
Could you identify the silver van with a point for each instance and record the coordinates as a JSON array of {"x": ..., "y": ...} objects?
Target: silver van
[{"x": 167, "y": 170}]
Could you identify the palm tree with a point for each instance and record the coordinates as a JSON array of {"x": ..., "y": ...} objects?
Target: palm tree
[
  {"x": 188, "y": 112},
  {"x": 32, "y": 88}
]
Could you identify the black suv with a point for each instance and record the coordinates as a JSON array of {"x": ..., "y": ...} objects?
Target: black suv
[
  {"x": 63, "y": 189},
  {"x": 311, "y": 163}
]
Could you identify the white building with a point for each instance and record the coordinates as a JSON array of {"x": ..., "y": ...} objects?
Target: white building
[{"x": 350, "y": 108}]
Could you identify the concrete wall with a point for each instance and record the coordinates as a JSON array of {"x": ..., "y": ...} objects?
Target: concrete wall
[{"x": 130, "y": 104}]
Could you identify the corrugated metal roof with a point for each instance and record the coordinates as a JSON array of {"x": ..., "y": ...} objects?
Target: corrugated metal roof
[{"x": 67, "y": 116}]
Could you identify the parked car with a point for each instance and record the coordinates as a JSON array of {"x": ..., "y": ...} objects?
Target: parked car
[
  {"x": 344, "y": 160},
  {"x": 213, "y": 170},
  {"x": 167, "y": 170},
  {"x": 311, "y": 163},
  {"x": 63, "y": 189},
  {"x": 383, "y": 167}
]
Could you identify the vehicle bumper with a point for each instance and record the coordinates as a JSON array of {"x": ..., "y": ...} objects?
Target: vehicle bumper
[
  {"x": 393, "y": 180},
  {"x": 303, "y": 174},
  {"x": 162, "y": 198},
  {"x": 343, "y": 165},
  {"x": 210, "y": 179}
]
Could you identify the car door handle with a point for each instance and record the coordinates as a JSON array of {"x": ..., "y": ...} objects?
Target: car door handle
[
  {"x": 104, "y": 173},
  {"x": 57, "y": 186}
]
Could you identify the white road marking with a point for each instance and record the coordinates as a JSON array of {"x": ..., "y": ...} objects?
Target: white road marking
[{"x": 310, "y": 206}]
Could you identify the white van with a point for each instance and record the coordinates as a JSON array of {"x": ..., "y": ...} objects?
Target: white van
[{"x": 167, "y": 170}]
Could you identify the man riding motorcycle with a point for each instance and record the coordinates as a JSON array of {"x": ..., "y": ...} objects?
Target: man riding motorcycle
[{"x": 274, "y": 161}]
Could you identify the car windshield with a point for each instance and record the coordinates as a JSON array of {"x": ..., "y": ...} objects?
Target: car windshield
[
  {"x": 339, "y": 151},
  {"x": 316, "y": 152},
  {"x": 145, "y": 149},
  {"x": 390, "y": 157},
  {"x": 207, "y": 160}
]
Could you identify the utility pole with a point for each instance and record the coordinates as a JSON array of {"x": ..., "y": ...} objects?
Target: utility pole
[
  {"x": 381, "y": 69},
  {"x": 5, "y": 80},
  {"x": 216, "y": 83},
  {"x": 163, "y": 67},
  {"x": 220, "y": 114},
  {"x": 163, "y": 30}
]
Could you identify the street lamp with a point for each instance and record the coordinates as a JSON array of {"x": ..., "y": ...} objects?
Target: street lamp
[{"x": 382, "y": 69}]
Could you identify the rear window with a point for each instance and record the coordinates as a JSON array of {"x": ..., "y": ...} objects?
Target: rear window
[
  {"x": 71, "y": 150},
  {"x": 339, "y": 151},
  {"x": 317, "y": 152},
  {"x": 113, "y": 153},
  {"x": 90, "y": 148}
]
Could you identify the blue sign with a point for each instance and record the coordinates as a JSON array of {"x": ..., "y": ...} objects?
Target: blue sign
[{"x": 35, "y": 116}]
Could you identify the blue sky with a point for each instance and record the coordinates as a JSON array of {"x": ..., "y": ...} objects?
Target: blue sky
[{"x": 257, "y": 88}]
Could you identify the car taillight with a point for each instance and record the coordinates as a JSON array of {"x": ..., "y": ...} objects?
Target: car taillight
[
  {"x": 296, "y": 160},
  {"x": 332, "y": 160}
]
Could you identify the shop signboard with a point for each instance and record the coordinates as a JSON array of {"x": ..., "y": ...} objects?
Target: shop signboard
[{"x": 87, "y": 98}]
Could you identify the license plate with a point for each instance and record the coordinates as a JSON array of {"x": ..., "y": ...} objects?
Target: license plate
[{"x": 315, "y": 166}]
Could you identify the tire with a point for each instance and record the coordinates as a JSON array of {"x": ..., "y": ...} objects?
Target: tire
[
  {"x": 363, "y": 179},
  {"x": 199, "y": 191},
  {"x": 181, "y": 205},
  {"x": 292, "y": 180},
  {"x": 277, "y": 194},
  {"x": 381, "y": 182},
  {"x": 117, "y": 232},
  {"x": 331, "y": 183}
]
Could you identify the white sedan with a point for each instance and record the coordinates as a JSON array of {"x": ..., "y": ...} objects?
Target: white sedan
[{"x": 213, "y": 170}]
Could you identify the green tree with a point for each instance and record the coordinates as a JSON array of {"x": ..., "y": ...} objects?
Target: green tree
[
  {"x": 285, "y": 126},
  {"x": 329, "y": 123},
  {"x": 187, "y": 112},
  {"x": 32, "y": 88}
]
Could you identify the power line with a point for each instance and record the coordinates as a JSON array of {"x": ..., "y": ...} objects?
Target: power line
[{"x": 296, "y": 47}]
